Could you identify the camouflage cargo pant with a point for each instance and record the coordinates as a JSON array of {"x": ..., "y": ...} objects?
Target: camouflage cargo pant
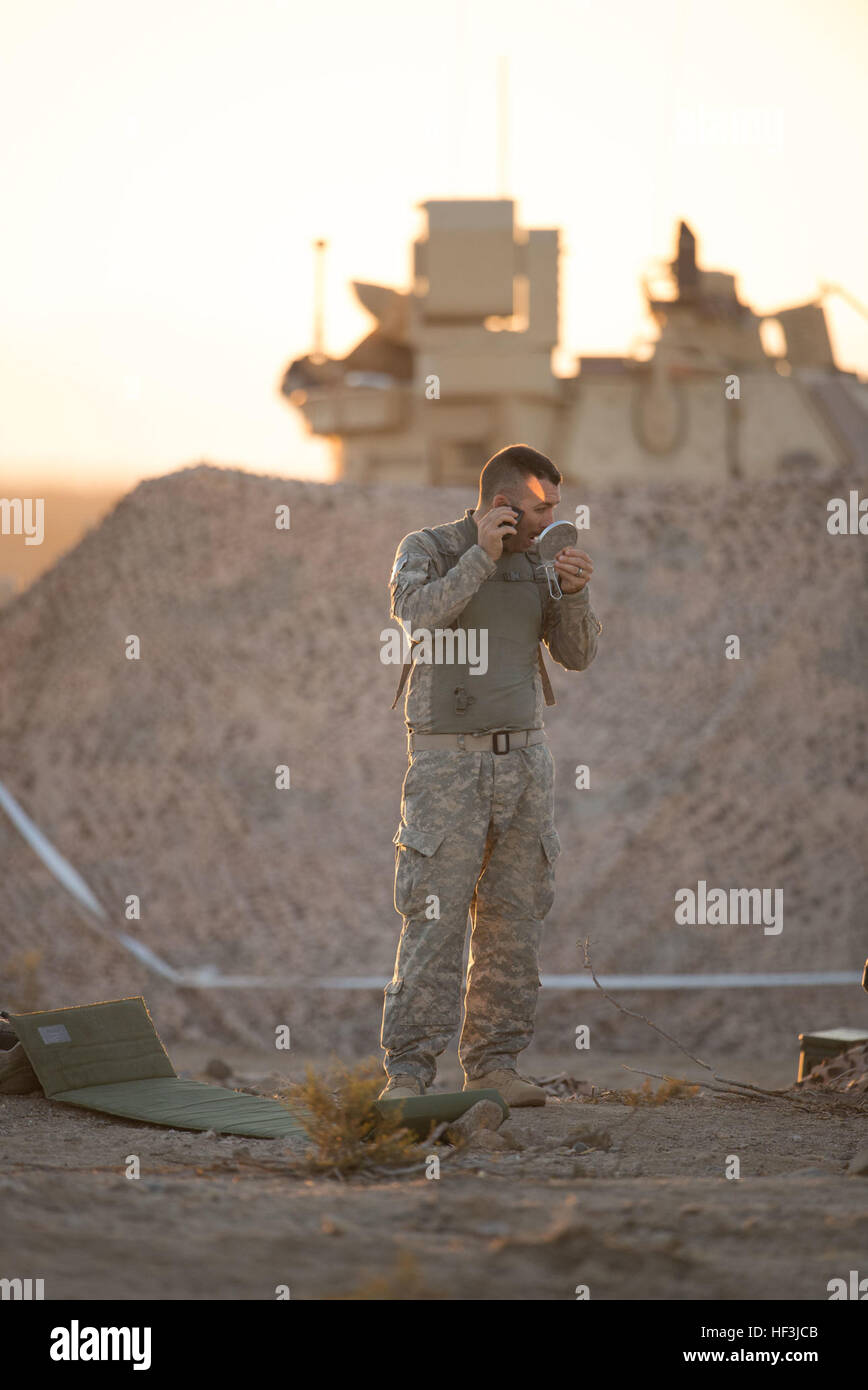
[{"x": 476, "y": 834}]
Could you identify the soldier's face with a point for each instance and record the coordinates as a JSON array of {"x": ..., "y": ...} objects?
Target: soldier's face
[{"x": 538, "y": 499}]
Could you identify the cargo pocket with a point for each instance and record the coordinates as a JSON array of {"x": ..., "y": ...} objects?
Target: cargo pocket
[
  {"x": 545, "y": 885},
  {"x": 390, "y": 1034},
  {"x": 416, "y": 868}
]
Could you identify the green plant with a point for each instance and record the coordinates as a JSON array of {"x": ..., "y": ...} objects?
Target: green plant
[{"x": 672, "y": 1088}]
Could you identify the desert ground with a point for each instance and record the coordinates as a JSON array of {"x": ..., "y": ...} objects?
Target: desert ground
[{"x": 630, "y": 1201}]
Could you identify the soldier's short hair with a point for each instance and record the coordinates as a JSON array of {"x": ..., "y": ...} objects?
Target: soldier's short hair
[{"x": 510, "y": 465}]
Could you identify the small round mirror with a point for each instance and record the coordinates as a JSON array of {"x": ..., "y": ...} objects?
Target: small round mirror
[{"x": 554, "y": 539}]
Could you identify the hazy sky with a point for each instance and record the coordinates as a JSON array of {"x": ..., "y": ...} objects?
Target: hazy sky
[{"x": 165, "y": 168}]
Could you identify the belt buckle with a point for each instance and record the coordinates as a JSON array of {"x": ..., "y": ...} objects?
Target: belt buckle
[{"x": 494, "y": 744}]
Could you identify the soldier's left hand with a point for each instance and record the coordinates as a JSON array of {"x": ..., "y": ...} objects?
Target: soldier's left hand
[{"x": 573, "y": 569}]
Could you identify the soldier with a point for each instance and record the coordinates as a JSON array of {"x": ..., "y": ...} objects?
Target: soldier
[{"x": 477, "y": 827}]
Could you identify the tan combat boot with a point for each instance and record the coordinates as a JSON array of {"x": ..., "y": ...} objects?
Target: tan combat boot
[
  {"x": 511, "y": 1087},
  {"x": 401, "y": 1088}
]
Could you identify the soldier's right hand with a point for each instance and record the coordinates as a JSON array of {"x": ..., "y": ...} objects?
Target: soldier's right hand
[{"x": 491, "y": 530}]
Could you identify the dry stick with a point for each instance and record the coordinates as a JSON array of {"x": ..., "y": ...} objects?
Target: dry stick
[
  {"x": 744, "y": 1085},
  {"x": 417, "y": 1168},
  {"x": 855, "y": 1070},
  {"x": 803, "y": 1101},
  {"x": 381, "y": 1170},
  {"x": 709, "y": 1085}
]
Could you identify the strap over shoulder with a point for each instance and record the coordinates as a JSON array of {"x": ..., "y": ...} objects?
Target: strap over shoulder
[
  {"x": 405, "y": 671},
  {"x": 544, "y": 677}
]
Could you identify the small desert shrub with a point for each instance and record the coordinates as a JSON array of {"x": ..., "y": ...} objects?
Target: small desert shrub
[
  {"x": 672, "y": 1088},
  {"x": 348, "y": 1133}
]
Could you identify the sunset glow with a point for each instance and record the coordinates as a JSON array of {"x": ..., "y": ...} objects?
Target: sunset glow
[{"x": 166, "y": 170}]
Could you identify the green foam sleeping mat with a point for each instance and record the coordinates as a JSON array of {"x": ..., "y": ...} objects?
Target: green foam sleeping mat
[
  {"x": 421, "y": 1113},
  {"x": 108, "y": 1057}
]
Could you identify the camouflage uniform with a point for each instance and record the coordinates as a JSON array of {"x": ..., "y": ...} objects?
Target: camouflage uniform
[{"x": 477, "y": 834}]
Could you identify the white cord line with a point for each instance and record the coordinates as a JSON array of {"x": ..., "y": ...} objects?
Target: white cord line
[
  {"x": 51, "y": 858},
  {"x": 780, "y": 980},
  {"x": 94, "y": 915},
  {"x": 208, "y": 977}
]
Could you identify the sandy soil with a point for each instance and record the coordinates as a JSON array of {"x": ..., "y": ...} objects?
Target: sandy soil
[{"x": 643, "y": 1212}]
